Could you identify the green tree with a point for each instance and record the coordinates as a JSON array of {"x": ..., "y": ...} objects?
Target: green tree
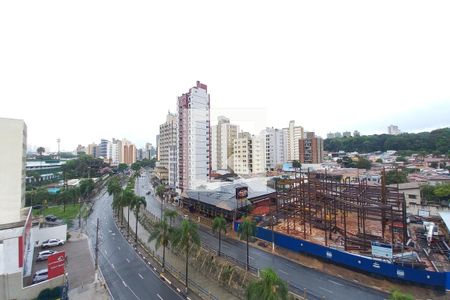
[
  {"x": 122, "y": 167},
  {"x": 363, "y": 163},
  {"x": 442, "y": 191},
  {"x": 269, "y": 287},
  {"x": 40, "y": 151},
  {"x": 171, "y": 214},
  {"x": 219, "y": 225},
  {"x": 160, "y": 190},
  {"x": 296, "y": 164},
  {"x": 127, "y": 198},
  {"x": 397, "y": 295},
  {"x": 114, "y": 189},
  {"x": 246, "y": 230},
  {"x": 396, "y": 177},
  {"x": 136, "y": 166},
  {"x": 401, "y": 159},
  {"x": 162, "y": 233},
  {"x": 185, "y": 238},
  {"x": 136, "y": 204},
  {"x": 86, "y": 187}
]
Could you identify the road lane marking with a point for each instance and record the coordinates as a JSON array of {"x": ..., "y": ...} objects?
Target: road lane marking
[
  {"x": 251, "y": 257},
  {"x": 118, "y": 247},
  {"x": 283, "y": 271},
  {"x": 112, "y": 265},
  {"x": 159, "y": 297},
  {"x": 327, "y": 290},
  {"x": 124, "y": 283},
  {"x": 106, "y": 252},
  {"x": 140, "y": 276},
  {"x": 127, "y": 260},
  {"x": 336, "y": 283}
]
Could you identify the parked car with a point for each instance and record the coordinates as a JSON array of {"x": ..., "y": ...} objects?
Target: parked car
[
  {"x": 40, "y": 275},
  {"x": 43, "y": 255},
  {"x": 148, "y": 193},
  {"x": 51, "y": 218},
  {"x": 52, "y": 243}
]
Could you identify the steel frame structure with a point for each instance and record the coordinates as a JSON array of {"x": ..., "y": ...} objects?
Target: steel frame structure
[{"x": 327, "y": 202}]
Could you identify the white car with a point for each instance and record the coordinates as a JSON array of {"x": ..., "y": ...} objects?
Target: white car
[
  {"x": 52, "y": 243},
  {"x": 43, "y": 255},
  {"x": 40, "y": 275}
]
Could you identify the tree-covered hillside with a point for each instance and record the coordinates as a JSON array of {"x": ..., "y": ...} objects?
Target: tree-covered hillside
[{"x": 434, "y": 141}]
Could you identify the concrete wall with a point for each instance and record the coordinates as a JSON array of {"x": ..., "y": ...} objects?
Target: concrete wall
[
  {"x": 11, "y": 287},
  {"x": 38, "y": 235},
  {"x": 434, "y": 210},
  {"x": 13, "y": 140}
]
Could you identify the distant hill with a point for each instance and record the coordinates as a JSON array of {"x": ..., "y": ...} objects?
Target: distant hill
[{"x": 435, "y": 141}]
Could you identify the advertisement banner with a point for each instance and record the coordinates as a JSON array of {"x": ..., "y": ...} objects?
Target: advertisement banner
[
  {"x": 381, "y": 250},
  {"x": 55, "y": 265},
  {"x": 241, "y": 192}
]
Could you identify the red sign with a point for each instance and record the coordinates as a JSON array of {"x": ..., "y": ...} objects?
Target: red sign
[{"x": 55, "y": 265}]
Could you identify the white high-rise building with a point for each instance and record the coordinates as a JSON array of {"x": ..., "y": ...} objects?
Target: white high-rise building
[
  {"x": 13, "y": 146},
  {"x": 116, "y": 152},
  {"x": 275, "y": 148},
  {"x": 258, "y": 151},
  {"x": 393, "y": 130},
  {"x": 222, "y": 137},
  {"x": 291, "y": 136},
  {"x": 194, "y": 134}
]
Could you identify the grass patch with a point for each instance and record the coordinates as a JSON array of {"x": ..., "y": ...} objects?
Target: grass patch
[{"x": 58, "y": 211}]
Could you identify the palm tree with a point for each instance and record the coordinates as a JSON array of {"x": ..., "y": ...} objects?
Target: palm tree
[
  {"x": 127, "y": 199},
  {"x": 171, "y": 214},
  {"x": 184, "y": 238},
  {"x": 40, "y": 151},
  {"x": 162, "y": 233},
  {"x": 219, "y": 224},
  {"x": 269, "y": 287},
  {"x": 136, "y": 204},
  {"x": 115, "y": 189},
  {"x": 247, "y": 229}
]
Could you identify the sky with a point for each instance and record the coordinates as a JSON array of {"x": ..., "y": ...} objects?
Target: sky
[{"x": 85, "y": 70}]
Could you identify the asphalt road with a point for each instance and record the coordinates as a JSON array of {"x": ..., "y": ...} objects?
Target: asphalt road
[
  {"x": 317, "y": 284},
  {"x": 127, "y": 275}
]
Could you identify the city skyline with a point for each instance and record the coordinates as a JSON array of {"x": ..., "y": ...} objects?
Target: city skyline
[{"x": 356, "y": 74}]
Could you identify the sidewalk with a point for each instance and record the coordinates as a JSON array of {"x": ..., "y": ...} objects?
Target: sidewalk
[{"x": 211, "y": 286}]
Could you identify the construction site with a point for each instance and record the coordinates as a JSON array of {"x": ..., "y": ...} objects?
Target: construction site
[{"x": 357, "y": 217}]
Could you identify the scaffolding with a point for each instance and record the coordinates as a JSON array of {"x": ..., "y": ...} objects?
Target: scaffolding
[{"x": 349, "y": 215}]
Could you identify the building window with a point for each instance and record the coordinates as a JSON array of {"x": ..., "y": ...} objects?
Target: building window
[{"x": 412, "y": 196}]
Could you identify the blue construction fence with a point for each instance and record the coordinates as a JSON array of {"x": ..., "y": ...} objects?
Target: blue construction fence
[{"x": 439, "y": 280}]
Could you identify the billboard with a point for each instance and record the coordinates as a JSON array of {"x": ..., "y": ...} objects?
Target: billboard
[
  {"x": 381, "y": 250},
  {"x": 423, "y": 213},
  {"x": 55, "y": 264},
  {"x": 241, "y": 192}
]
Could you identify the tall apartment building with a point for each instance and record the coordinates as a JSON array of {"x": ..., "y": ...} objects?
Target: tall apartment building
[
  {"x": 194, "y": 134},
  {"x": 116, "y": 152},
  {"x": 167, "y": 147},
  {"x": 337, "y": 134},
  {"x": 222, "y": 137},
  {"x": 356, "y": 133},
  {"x": 157, "y": 147},
  {"x": 13, "y": 146},
  {"x": 347, "y": 134},
  {"x": 330, "y": 135},
  {"x": 249, "y": 154},
  {"x": 242, "y": 154},
  {"x": 311, "y": 149},
  {"x": 128, "y": 152},
  {"x": 93, "y": 150},
  {"x": 291, "y": 136},
  {"x": 104, "y": 149},
  {"x": 274, "y": 148},
  {"x": 393, "y": 130}
]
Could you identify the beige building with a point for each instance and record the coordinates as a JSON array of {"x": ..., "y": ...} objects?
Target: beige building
[
  {"x": 93, "y": 150},
  {"x": 249, "y": 154},
  {"x": 291, "y": 136},
  {"x": 167, "y": 150},
  {"x": 128, "y": 153},
  {"x": 222, "y": 140},
  {"x": 13, "y": 145}
]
